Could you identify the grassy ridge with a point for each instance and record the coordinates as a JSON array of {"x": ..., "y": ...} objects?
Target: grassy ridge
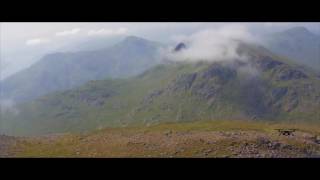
[{"x": 196, "y": 139}]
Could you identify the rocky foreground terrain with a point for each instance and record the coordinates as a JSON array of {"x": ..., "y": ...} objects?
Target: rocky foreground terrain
[
  {"x": 200, "y": 139},
  {"x": 5, "y": 143}
]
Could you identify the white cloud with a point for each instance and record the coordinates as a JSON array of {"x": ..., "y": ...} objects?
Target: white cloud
[
  {"x": 68, "y": 32},
  {"x": 8, "y": 105},
  {"x": 37, "y": 41},
  {"x": 108, "y": 32},
  {"x": 213, "y": 44}
]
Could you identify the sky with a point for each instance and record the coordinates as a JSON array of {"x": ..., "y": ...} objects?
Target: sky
[{"x": 22, "y": 44}]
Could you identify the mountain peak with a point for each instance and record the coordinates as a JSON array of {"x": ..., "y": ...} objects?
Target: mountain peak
[
  {"x": 180, "y": 47},
  {"x": 134, "y": 39},
  {"x": 134, "y": 42},
  {"x": 298, "y": 30}
]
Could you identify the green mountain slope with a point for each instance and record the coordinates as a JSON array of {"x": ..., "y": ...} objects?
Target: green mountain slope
[
  {"x": 297, "y": 43},
  {"x": 61, "y": 71},
  {"x": 264, "y": 87}
]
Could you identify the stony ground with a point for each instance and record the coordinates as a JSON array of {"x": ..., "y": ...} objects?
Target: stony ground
[
  {"x": 6, "y": 143},
  {"x": 232, "y": 140}
]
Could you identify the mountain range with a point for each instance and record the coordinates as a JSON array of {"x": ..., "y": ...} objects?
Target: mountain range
[
  {"x": 98, "y": 59},
  {"x": 65, "y": 70},
  {"x": 264, "y": 87},
  {"x": 298, "y": 44},
  {"x": 129, "y": 84}
]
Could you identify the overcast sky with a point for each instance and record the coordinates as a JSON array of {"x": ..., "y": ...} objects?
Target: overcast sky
[
  {"x": 24, "y": 43},
  {"x": 17, "y": 33}
]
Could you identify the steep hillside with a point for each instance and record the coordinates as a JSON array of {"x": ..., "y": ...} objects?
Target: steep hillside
[
  {"x": 61, "y": 71},
  {"x": 261, "y": 87},
  {"x": 297, "y": 43}
]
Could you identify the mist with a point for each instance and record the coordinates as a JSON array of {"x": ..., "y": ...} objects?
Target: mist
[
  {"x": 23, "y": 44},
  {"x": 219, "y": 44},
  {"x": 8, "y": 106}
]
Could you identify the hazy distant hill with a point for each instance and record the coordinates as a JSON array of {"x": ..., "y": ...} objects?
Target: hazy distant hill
[
  {"x": 265, "y": 87},
  {"x": 90, "y": 44},
  {"x": 61, "y": 71},
  {"x": 297, "y": 43}
]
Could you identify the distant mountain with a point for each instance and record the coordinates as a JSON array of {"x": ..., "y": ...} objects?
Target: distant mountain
[
  {"x": 61, "y": 71},
  {"x": 90, "y": 43},
  {"x": 263, "y": 87},
  {"x": 297, "y": 43}
]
